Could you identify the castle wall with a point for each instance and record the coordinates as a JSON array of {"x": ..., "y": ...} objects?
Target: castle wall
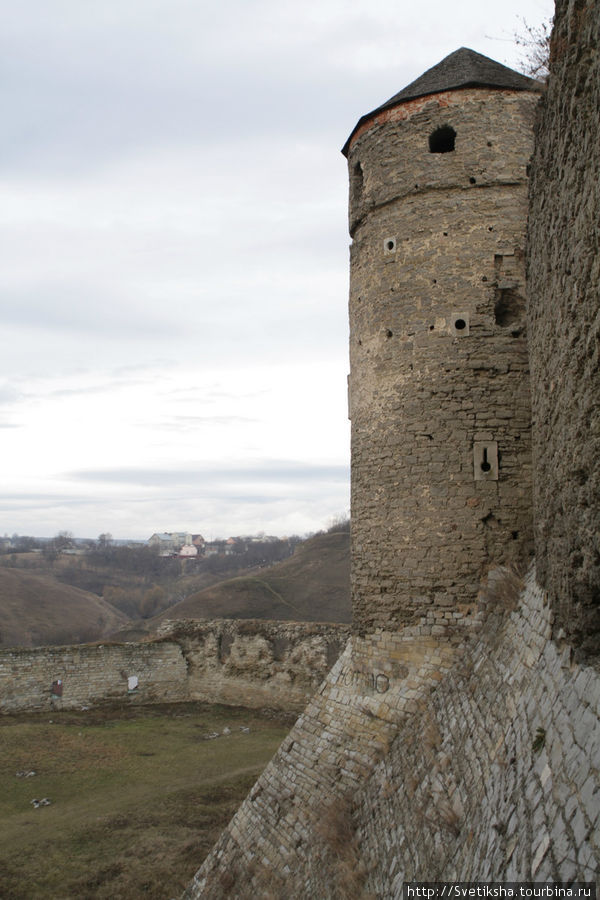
[
  {"x": 498, "y": 777},
  {"x": 445, "y": 745},
  {"x": 256, "y": 663},
  {"x": 91, "y": 674},
  {"x": 238, "y": 663},
  {"x": 438, "y": 354},
  {"x": 564, "y": 314},
  {"x": 477, "y": 762}
]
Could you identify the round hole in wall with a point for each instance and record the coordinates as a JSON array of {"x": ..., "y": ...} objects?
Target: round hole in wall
[
  {"x": 389, "y": 333},
  {"x": 489, "y": 143},
  {"x": 472, "y": 180},
  {"x": 435, "y": 281},
  {"x": 389, "y": 245},
  {"x": 485, "y": 466},
  {"x": 490, "y": 227},
  {"x": 460, "y": 324},
  {"x": 514, "y": 535},
  {"x": 484, "y": 277},
  {"x": 431, "y": 327}
]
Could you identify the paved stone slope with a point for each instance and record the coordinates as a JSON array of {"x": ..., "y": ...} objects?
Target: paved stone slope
[
  {"x": 498, "y": 778},
  {"x": 479, "y": 760},
  {"x": 564, "y": 314}
]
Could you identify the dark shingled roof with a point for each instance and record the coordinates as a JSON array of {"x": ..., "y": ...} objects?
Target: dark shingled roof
[{"x": 461, "y": 69}]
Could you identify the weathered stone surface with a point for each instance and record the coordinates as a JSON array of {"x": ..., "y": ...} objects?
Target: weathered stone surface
[
  {"x": 564, "y": 331},
  {"x": 240, "y": 663},
  {"x": 446, "y": 770},
  {"x": 90, "y": 674},
  {"x": 450, "y": 743},
  {"x": 439, "y": 383},
  {"x": 257, "y": 663}
]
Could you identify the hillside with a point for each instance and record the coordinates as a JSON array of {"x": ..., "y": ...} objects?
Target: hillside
[
  {"x": 36, "y": 610},
  {"x": 312, "y": 585}
]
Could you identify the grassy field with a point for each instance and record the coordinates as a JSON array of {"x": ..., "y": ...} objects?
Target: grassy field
[{"x": 138, "y": 796}]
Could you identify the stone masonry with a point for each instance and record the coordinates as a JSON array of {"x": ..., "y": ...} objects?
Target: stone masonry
[
  {"x": 468, "y": 761},
  {"x": 453, "y": 739},
  {"x": 439, "y": 383},
  {"x": 564, "y": 340},
  {"x": 238, "y": 663}
]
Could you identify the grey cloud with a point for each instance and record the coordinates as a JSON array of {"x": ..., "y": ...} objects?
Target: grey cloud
[
  {"x": 72, "y": 307},
  {"x": 265, "y": 472},
  {"x": 78, "y": 96},
  {"x": 10, "y": 395},
  {"x": 192, "y": 421}
]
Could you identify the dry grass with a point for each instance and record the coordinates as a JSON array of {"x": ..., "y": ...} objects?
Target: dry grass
[
  {"x": 347, "y": 871},
  {"x": 37, "y": 610},
  {"x": 137, "y": 802},
  {"x": 502, "y": 589},
  {"x": 312, "y": 585}
]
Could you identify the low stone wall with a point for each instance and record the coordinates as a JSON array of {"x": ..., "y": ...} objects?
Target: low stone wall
[
  {"x": 88, "y": 674},
  {"x": 470, "y": 759},
  {"x": 256, "y": 663},
  {"x": 235, "y": 662}
]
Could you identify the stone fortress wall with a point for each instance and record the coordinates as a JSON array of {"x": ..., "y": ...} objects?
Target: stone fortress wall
[
  {"x": 564, "y": 341},
  {"x": 250, "y": 663},
  {"x": 438, "y": 352},
  {"x": 477, "y": 761},
  {"x": 451, "y": 742}
]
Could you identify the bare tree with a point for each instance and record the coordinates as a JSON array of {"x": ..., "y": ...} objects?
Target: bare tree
[{"x": 534, "y": 41}]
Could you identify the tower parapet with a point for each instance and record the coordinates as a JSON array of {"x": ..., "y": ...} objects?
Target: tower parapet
[{"x": 439, "y": 381}]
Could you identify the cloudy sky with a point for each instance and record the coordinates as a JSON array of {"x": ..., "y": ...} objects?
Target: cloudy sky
[{"x": 174, "y": 251}]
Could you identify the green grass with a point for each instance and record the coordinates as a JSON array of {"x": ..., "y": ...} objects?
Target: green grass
[{"x": 138, "y": 797}]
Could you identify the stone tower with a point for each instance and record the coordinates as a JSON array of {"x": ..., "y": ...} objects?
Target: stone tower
[{"x": 439, "y": 381}]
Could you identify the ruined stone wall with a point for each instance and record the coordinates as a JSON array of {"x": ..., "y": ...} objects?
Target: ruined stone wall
[
  {"x": 467, "y": 761},
  {"x": 256, "y": 663},
  {"x": 439, "y": 379},
  {"x": 564, "y": 325},
  {"x": 91, "y": 674},
  {"x": 239, "y": 663}
]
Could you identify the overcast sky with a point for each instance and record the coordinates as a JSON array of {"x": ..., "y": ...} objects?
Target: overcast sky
[{"x": 174, "y": 251}]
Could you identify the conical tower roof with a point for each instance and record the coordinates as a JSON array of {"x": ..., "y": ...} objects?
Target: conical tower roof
[{"x": 461, "y": 69}]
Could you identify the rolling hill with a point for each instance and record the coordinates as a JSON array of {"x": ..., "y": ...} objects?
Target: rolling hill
[
  {"x": 313, "y": 585},
  {"x": 37, "y": 610}
]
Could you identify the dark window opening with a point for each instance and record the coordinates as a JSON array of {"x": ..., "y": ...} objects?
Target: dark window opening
[
  {"x": 442, "y": 140},
  {"x": 357, "y": 181},
  {"x": 509, "y": 306}
]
